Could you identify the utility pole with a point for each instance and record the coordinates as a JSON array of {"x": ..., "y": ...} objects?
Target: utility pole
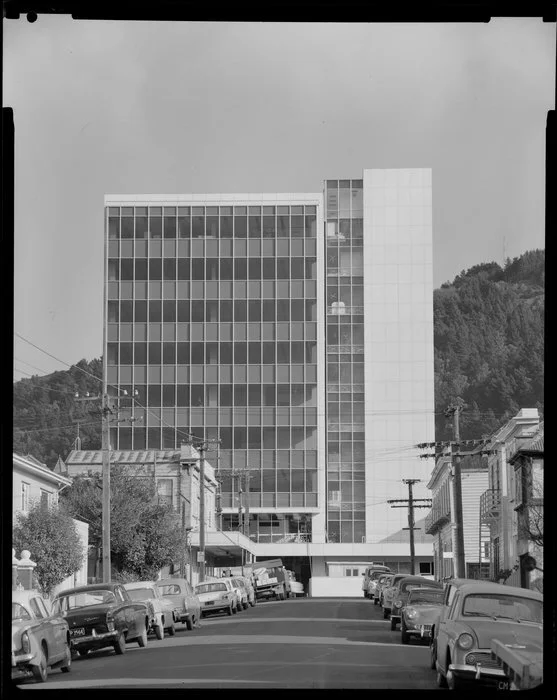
[
  {"x": 411, "y": 503},
  {"x": 201, "y": 554},
  {"x": 106, "y": 413},
  {"x": 459, "y": 560}
]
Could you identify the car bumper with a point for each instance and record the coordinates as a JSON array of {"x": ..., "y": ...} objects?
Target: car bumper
[
  {"x": 95, "y": 640},
  {"x": 422, "y": 631},
  {"x": 466, "y": 671},
  {"x": 215, "y": 607},
  {"x": 395, "y": 616}
]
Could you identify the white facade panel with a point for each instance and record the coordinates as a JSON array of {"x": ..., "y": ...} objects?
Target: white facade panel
[{"x": 398, "y": 298}]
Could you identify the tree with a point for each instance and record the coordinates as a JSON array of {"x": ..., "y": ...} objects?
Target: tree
[
  {"x": 144, "y": 535},
  {"x": 51, "y": 537}
]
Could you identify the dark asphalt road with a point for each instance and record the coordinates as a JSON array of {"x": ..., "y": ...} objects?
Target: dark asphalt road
[{"x": 302, "y": 643}]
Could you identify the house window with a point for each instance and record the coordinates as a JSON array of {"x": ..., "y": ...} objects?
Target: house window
[
  {"x": 426, "y": 567},
  {"x": 164, "y": 491},
  {"x": 46, "y": 497},
  {"x": 351, "y": 572},
  {"x": 24, "y": 496}
]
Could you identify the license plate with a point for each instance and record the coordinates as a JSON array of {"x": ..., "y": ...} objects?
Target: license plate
[
  {"x": 503, "y": 685},
  {"x": 77, "y": 632}
]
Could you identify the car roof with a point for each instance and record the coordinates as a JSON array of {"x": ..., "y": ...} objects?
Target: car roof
[
  {"x": 131, "y": 585},
  {"x": 419, "y": 578},
  {"x": 167, "y": 581},
  {"x": 437, "y": 589},
  {"x": 490, "y": 587},
  {"x": 110, "y": 586}
]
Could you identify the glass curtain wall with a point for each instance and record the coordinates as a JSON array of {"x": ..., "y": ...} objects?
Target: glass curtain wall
[
  {"x": 212, "y": 318},
  {"x": 345, "y": 360}
]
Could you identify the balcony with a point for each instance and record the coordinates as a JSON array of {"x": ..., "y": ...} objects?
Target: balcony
[
  {"x": 490, "y": 505},
  {"x": 436, "y": 518}
]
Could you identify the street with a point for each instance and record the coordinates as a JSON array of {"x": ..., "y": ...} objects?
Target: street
[{"x": 300, "y": 643}]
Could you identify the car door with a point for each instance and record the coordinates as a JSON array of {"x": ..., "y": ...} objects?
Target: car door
[
  {"x": 192, "y": 600},
  {"x": 42, "y": 627},
  {"x": 444, "y": 626},
  {"x": 59, "y": 628},
  {"x": 125, "y": 611}
]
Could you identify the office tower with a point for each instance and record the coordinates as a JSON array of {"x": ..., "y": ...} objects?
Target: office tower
[{"x": 297, "y": 329}]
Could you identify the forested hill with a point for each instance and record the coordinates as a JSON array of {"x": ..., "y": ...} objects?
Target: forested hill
[{"x": 489, "y": 340}]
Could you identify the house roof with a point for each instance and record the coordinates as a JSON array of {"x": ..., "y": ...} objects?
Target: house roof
[
  {"x": 404, "y": 535},
  {"x": 31, "y": 465}
]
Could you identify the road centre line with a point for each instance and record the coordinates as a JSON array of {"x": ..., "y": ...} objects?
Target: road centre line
[
  {"x": 254, "y": 639},
  {"x": 226, "y": 620}
]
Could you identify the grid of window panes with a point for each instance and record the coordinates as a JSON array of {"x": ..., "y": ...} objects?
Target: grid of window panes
[
  {"x": 273, "y": 527},
  {"x": 212, "y": 318},
  {"x": 345, "y": 360}
]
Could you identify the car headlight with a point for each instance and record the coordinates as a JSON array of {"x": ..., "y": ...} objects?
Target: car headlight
[
  {"x": 25, "y": 643},
  {"x": 411, "y": 614},
  {"x": 110, "y": 622},
  {"x": 151, "y": 608},
  {"x": 465, "y": 641},
  {"x": 398, "y": 603}
]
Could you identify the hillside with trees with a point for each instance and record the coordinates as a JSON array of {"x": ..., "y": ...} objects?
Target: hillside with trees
[{"x": 489, "y": 343}]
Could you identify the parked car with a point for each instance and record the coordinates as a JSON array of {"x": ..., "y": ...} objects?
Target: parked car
[
  {"x": 216, "y": 596},
  {"x": 40, "y": 639},
  {"x": 372, "y": 573},
  {"x": 475, "y": 613},
  {"x": 241, "y": 593},
  {"x": 179, "y": 591},
  {"x": 249, "y": 589},
  {"x": 382, "y": 581},
  {"x": 161, "y": 610},
  {"x": 388, "y": 593},
  {"x": 401, "y": 592},
  {"x": 420, "y": 613},
  {"x": 102, "y": 615}
]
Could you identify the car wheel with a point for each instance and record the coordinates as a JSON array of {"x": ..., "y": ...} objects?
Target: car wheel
[
  {"x": 172, "y": 629},
  {"x": 83, "y": 652},
  {"x": 246, "y": 605},
  {"x": 120, "y": 644},
  {"x": 142, "y": 639},
  {"x": 235, "y": 609},
  {"x": 68, "y": 660},
  {"x": 189, "y": 623},
  {"x": 404, "y": 636},
  {"x": 393, "y": 624},
  {"x": 159, "y": 631},
  {"x": 40, "y": 672},
  {"x": 433, "y": 655},
  {"x": 385, "y": 614},
  {"x": 230, "y": 610}
]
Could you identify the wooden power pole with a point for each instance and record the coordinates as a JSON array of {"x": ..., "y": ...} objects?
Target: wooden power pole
[
  {"x": 454, "y": 410},
  {"x": 411, "y": 503}
]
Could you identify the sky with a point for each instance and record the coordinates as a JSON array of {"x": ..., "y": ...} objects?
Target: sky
[{"x": 145, "y": 107}]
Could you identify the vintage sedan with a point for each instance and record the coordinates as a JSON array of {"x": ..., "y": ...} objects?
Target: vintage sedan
[
  {"x": 161, "y": 610},
  {"x": 381, "y": 581},
  {"x": 216, "y": 596},
  {"x": 39, "y": 639},
  {"x": 388, "y": 593},
  {"x": 241, "y": 592},
  {"x": 179, "y": 591},
  {"x": 402, "y": 590},
  {"x": 477, "y": 613},
  {"x": 247, "y": 585},
  {"x": 420, "y": 613},
  {"x": 102, "y": 615}
]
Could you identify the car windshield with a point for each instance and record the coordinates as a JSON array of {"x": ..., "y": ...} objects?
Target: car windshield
[
  {"x": 502, "y": 606},
  {"x": 170, "y": 589},
  {"x": 82, "y": 600},
  {"x": 19, "y": 612},
  {"x": 412, "y": 585},
  {"x": 210, "y": 587},
  {"x": 141, "y": 593},
  {"x": 425, "y": 596}
]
